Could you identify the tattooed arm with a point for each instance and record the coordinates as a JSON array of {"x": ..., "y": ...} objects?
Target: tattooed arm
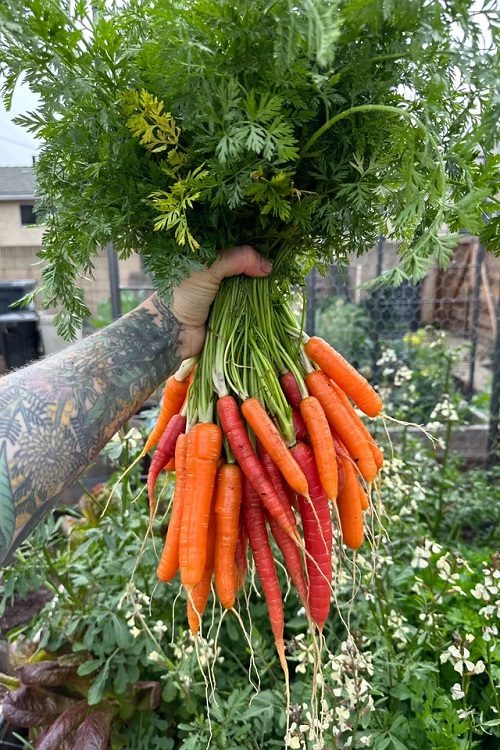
[{"x": 57, "y": 414}]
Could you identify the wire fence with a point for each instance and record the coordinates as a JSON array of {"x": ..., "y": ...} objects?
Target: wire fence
[{"x": 428, "y": 347}]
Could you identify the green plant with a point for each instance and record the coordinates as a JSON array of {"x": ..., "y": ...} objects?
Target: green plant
[
  {"x": 350, "y": 121},
  {"x": 129, "y": 300},
  {"x": 348, "y": 329}
]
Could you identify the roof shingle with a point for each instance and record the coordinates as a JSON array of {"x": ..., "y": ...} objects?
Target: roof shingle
[{"x": 17, "y": 183}]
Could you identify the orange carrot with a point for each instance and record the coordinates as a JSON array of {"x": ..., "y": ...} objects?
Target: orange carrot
[
  {"x": 320, "y": 385},
  {"x": 363, "y": 497},
  {"x": 322, "y": 444},
  {"x": 201, "y": 592},
  {"x": 227, "y": 521},
  {"x": 272, "y": 440},
  {"x": 241, "y": 554},
  {"x": 169, "y": 561},
  {"x": 174, "y": 395},
  {"x": 378, "y": 456},
  {"x": 203, "y": 451},
  {"x": 349, "y": 508},
  {"x": 345, "y": 375}
]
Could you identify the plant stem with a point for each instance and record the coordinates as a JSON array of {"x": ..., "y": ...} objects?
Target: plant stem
[{"x": 61, "y": 580}]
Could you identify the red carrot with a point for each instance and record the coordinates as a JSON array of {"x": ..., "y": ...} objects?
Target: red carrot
[
  {"x": 318, "y": 536},
  {"x": 255, "y": 526},
  {"x": 163, "y": 453},
  {"x": 234, "y": 430}
]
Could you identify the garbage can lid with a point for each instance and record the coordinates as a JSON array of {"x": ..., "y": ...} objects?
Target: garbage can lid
[{"x": 22, "y": 316}]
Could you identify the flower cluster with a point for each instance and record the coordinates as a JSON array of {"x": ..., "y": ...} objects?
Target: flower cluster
[
  {"x": 347, "y": 671},
  {"x": 460, "y": 657}
]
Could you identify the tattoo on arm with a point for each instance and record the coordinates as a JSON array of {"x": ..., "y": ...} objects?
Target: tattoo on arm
[{"x": 57, "y": 414}]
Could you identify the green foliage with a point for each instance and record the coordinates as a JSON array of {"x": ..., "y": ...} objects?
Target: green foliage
[
  {"x": 347, "y": 327},
  {"x": 304, "y": 128},
  {"x": 425, "y": 671}
]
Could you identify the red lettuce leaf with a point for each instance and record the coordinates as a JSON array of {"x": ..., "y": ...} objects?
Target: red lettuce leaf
[
  {"x": 34, "y": 707},
  {"x": 93, "y": 733},
  {"x": 60, "y": 732},
  {"x": 47, "y": 674}
]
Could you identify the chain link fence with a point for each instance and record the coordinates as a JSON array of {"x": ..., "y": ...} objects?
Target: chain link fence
[{"x": 432, "y": 349}]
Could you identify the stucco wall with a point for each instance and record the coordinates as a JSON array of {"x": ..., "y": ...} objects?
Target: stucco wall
[
  {"x": 20, "y": 262},
  {"x": 12, "y": 231}
]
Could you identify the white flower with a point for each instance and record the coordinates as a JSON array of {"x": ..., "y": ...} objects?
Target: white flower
[
  {"x": 479, "y": 668},
  {"x": 159, "y": 628},
  {"x": 135, "y": 631},
  {"x": 420, "y": 558},
  {"x": 154, "y": 656},
  {"x": 462, "y": 714},
  {"x": 489, "y": 631},
  {"x": 366, "y": 740},
  {"x": 480, "y": 592},
  {"x": 461, "y": 659},
  {"x": 456, "y": 692}
]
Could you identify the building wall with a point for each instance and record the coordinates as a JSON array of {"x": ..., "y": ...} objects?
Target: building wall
[
  {"x": 12, "y": 232},
  {"x": 21, "y": 262}
]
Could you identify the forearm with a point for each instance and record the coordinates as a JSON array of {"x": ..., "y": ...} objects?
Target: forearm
[{"x": 57, "y": 414}]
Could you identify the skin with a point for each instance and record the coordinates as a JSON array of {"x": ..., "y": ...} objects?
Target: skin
[{"x": 57, "y": 414}]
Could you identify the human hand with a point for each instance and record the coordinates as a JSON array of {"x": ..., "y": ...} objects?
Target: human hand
[{"x": 195, "y": 294}]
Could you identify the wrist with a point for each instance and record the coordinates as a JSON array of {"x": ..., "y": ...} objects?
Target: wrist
[{"x": 188, "y": 338}]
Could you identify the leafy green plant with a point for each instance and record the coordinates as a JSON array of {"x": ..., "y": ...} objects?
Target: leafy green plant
[
  {"x": 129, "y": 300},
  {"x": 347, "y": 328},
  {"x": 306, "y": 129}
]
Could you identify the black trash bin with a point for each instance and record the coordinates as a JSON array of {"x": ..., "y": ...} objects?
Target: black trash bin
[
  {"x": 12, "y": 291},
  {"x": 20, "y": 340}
]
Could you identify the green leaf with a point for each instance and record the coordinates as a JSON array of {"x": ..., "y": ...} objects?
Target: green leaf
[{"x": 7, "y": 508}]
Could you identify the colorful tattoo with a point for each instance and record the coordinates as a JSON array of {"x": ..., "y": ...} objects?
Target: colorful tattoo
[{"x": 57, "y": 414}]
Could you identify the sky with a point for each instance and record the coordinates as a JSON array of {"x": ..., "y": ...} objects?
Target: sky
[{"x": 17, "y": 147}]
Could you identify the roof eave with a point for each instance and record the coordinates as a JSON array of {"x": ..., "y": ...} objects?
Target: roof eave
[{"x": 27, "y": 197}]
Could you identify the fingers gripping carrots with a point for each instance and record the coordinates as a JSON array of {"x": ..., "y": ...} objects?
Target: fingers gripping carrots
[{"x": 238, "y": 483}]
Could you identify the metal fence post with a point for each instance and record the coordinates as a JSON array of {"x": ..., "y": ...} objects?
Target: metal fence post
[
  {"x": 493, "y": 453},
  {"x": 475, "y": 320},
  {"x": 114, "y": 283},
  {"x": 311, "y": 302},
  {"x": 375, "y": 329}
]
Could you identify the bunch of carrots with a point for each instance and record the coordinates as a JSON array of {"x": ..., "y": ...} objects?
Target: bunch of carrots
[{"x": 265, "y": 441}]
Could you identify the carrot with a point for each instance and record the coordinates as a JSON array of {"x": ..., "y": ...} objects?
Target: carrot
[
  {"x": 203, "y": 451},
  {"x": 255, "y": 526},
  {"x": 227, "y": 519},
  {"x": 300, "y": 428},
  {"x": 174, "y": 395},
  {"x": 171, "y": 465},
  {"x": 363, "y": 497},
  {"x": 349, "y": 508},
  {"x": 340, "y": 472},
  {"x": 198, "y": 600},
  {"x": 272, "y": 440},
  {"x": 277, "y": 481},
  {"x": 241, "y": 554},
  {"x": 345, "y": 375},
  {"x": 322, "y": 444},
  {"x": 234, "y": 430},
  {"x": 163, "y": 453},
  {"x": 318, "y": 537},
  {"x": 169, "y": 561},
  {"x": 378, "y": 456},
  {"x": 292, "y": 560},
  {"x": 320, "y": 385},
  {"x": 291, "y": 390}
]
